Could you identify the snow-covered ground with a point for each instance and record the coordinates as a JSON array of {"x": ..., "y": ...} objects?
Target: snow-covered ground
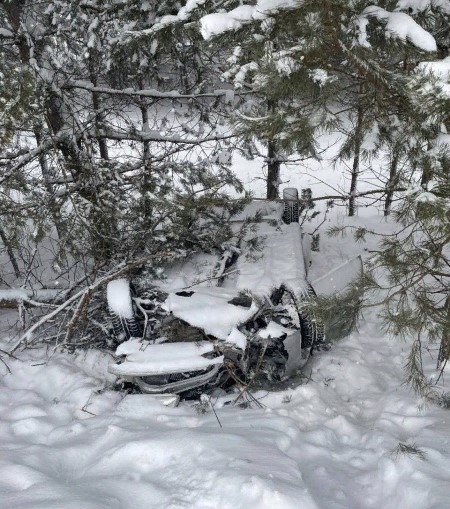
[
  {"x": 340, "y": 440},
  {"x": 348, "y": 435}
]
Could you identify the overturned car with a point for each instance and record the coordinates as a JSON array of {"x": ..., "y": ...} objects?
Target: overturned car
[{"x": 251, "y": 325}]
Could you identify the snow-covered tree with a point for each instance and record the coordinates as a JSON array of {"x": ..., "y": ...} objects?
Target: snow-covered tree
[
  {"x": 307, "y": 67},
  {"x": 122, "y": 112},
  {"x": 115, "y": 151}
]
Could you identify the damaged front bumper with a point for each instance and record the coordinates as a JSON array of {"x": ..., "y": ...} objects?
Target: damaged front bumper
[{"x": 206, "y": 378}]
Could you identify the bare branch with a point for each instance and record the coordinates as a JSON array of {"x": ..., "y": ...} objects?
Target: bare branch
[
  {"x": 142, "y": 136},
  {"x": 148, "y": 92},
  {"x": 342, "y": 197},
  {"x": 81, "y": 294}
]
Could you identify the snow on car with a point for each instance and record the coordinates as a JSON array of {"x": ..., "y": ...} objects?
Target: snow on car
[{"x": 249, "y": 326}]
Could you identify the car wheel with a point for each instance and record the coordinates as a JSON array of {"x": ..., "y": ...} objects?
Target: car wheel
[
  {"x": 121, "y": 310},
  {"x": 312, "y": 329},
  {"x": 291, "y": 205}
]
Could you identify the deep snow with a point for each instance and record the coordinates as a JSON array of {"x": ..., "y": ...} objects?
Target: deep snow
[
  {"x": 329, "y": 443},
  {"x": 348, "y": 434},
  {"x": 332, "y": 439}
]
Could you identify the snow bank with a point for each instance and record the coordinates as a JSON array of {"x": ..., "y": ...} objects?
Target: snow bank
[{"x": 332, "y": 443}]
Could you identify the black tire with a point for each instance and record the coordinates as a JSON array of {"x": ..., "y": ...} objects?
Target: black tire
[
  {"x": 125, "y": 328},
  {"x": 312, "y": 330},
  {"x": 291, "y": 212}
]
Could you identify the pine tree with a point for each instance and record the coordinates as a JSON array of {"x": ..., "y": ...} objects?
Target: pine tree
[
  {"x": 111, "y": 180},
  {"x": 311, "y": 67},
  {"x": 117, "y": 145}
]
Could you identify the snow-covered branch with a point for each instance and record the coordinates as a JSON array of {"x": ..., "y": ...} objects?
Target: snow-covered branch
[
  {"x": 6, "y": 34},
  {"x": 156, "y": 136},
  {"x": 12, "y": 297},
  {"x": 151, "y": 93},
  {"x": 114, "y": 274},
  {"x": 23, "y": 158},
  {"x": 400, "y": 25}
]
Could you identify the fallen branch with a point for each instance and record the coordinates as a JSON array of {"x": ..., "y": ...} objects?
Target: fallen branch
[
  {"x": 81, "y": 295},
  {"x": 13, "y": 297},
  {"x": 76, "y": 315}
]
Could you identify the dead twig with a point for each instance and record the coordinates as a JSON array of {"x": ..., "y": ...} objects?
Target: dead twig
[
  {"x": 82, "y": 295},
  {"x": 244, "y": 387},
  {"x": 6, "y": 365}
]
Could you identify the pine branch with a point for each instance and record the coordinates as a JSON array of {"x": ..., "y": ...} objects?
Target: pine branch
[{"x": 149, "y": 93}]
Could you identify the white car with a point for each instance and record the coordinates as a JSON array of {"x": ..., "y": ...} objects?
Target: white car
[{"x": 248, "y": 326}]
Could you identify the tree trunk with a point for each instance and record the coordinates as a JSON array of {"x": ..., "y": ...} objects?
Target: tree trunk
[
  {"x": 273, "y": 172},
  {"x": 392, "y": 183},
  {"x": 357, "y": 156},
  {"x": 54, "y": 208},
  {"x": 146, "y": 185},
  {"x": 10, "y": 251},
  {"x": 427, "y": 172},
  {"x": 100, "y": 224},
  {"x": 273, "y": 164},
  {"x": 96, "y": 103},
  {"x": 145, "y": 128},
  {"x": 353, "y": 184},
  {"x": 444, "y": 350}
]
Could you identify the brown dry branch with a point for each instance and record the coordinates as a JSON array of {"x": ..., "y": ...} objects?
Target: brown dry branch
[
  {"x": 82, "y": 304},
  {"x": 84, "y": 295}
]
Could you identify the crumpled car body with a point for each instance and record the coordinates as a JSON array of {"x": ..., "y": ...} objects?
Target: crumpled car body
[{"x": 249, "y": 326}]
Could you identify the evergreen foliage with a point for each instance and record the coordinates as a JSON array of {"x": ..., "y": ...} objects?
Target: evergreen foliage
[
  {"x": 108, "y": 178},
  {"x": 118, "y": 121}
]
